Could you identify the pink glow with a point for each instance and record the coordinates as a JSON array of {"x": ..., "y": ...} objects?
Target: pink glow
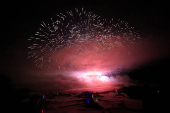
[
  {"x": 76, "y": 70},
  {"x": 92, "y": 78}
]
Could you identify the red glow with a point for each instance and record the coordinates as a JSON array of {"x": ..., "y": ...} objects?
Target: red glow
[{"x": 73, "y": 70}]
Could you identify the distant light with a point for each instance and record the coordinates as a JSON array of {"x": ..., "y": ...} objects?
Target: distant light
[
  {"x": 43, "y": 97},
  {"x": 96, "y": 99},
  {"x": 158, "y": 91},
  {"x": 87, "y": 100}
]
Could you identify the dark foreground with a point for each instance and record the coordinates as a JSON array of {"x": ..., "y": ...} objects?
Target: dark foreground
[{"x": 132, "y": 99}]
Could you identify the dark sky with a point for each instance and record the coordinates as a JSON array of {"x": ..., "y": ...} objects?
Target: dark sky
[
  {"x": 22, "y": 16},
  {"x": 22, "y": 19}
]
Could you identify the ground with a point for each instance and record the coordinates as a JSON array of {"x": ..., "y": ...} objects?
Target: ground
[{"x": 105, "y": 103}]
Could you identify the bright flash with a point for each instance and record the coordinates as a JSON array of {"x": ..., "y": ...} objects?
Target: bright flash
[
  {"x": 96, "y": 75},
  {"x": 92, "y": 73}
]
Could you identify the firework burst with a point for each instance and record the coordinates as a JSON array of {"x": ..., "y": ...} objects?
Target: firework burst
[{"x": 78, "y": 28}]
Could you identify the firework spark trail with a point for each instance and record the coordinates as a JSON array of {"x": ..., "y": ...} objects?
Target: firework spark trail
[{"x": 87, "y": 32}]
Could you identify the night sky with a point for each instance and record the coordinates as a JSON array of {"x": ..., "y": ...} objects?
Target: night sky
[{"x": 22, "y": 19}]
